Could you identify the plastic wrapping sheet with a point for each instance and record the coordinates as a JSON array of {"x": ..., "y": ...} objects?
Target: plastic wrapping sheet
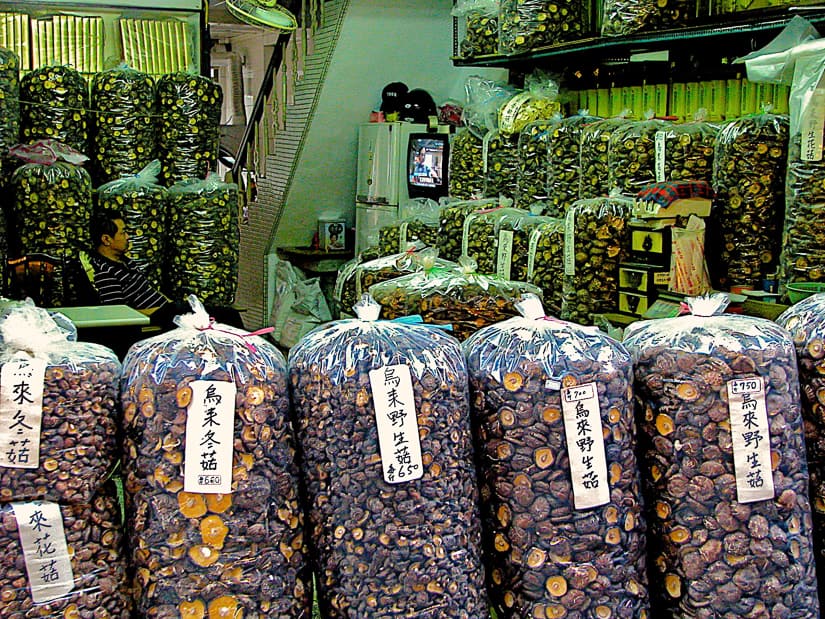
[
  {"x": 501, "y": 167},
  {"x": 533, "y": 150},
  {"x": 715, "y": 548},
  {"x": 54, "y": 101},
  {"x": 596, "y": 241},
  {"x": 78, "y": 418},
  {"x": 749, "y": 183},
  {"x": 189, "y": 107},
  {"x": 563, "y": 165},
  {"x": 227, "y": 554},
  {"x": 94, "y": 535},
  {"x": 461, "y": 298},
  {"x": 547, "y": 554},
  {"x": 805, "y": 321},
  {"x": 9, "y": 106},
  {"x": 594, "y": 154},
  {"x": 142, "y": 201},
  {"x": 451, "y": 225},
  {"x": 684, "y": 151},
  {"x": 545, "y": 262},
  {"x": 203, "y": 240},
  {"x": 124, "y": 131},
  {"x": 529, "y": 24},
  {"x": 410, "y": 546},
  {"x": 466, "y": 178},
  {"x": 632, "y": 155},
  {"x": 480, "y": 239},
  {"x": 621, "y": 17},
  {"x": 480, "y": 27}
]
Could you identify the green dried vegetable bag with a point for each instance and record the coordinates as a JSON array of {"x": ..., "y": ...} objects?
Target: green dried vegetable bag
[
  {"x": 123, "y": 139},
  {"x": 203, "y": 240},
  {"x": 466, "y": 165},
  {"x": 143, "y": 203},
  {"x": 54, "y": 103},
  {"x": 189, "y": 111},
  {"x": 9, "y": 105}
]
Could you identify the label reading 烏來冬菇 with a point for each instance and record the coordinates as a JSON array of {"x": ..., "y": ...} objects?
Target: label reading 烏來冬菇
[
  {"x": 210, "y": 431},
  {"x": 751, "y": 438},
  {"x": 21, "y": 411},
  {"x": 397, "y": 423},
  {"x": 585, "y": 445}
]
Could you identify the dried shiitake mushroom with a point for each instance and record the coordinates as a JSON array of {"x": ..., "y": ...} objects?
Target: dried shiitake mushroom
[{"x": 466, "y": 178}]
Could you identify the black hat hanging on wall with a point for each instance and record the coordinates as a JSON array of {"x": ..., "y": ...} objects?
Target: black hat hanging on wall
[
  {"x": 392, "y": 99},
  {"x": 418, "y": 107}
]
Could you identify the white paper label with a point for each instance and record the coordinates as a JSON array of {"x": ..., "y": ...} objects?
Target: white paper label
[
  {"x": 505, "y": 253},
  {"x": 813, "y": 126},
  {"x": 751, "y": 439},
  {"x": 531, "y": 253},
  {"x": 659, "y": 143},
  {"x": 570, "y": 242},
  {"x": 397, "y": 423},
  {"x": 45, "y": 550},
  {"x": 21, "y": 412},
  {"x": 585, "y": 445},
  {"x": 210, "y": 431}
]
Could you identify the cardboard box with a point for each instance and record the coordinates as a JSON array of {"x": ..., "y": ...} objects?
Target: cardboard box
[{"x": 332, "y": 234}]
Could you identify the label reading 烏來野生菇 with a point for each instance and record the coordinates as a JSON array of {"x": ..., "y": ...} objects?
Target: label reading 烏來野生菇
[
  {"x": 751, "y": 438},
  {"x": 397, "y": 423},
  {"x": 21, "y": 411},
  {"x": 585, "y": 445},
  {"x": 210, "y": 431}
]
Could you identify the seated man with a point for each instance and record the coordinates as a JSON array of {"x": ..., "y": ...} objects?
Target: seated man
[{"x": 119, "y": 281}]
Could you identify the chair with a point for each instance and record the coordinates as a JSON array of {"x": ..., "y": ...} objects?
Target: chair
[{"x": 38, "y": 276}]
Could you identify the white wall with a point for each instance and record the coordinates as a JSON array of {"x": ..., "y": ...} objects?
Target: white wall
[{"x": 381, "y": 41}]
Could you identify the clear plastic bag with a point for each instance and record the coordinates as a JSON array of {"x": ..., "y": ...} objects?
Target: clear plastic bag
[
  {"x": 142, "y": 201},
  {"x": 501, "y": 167},
  {"x": 461, "y": 298},
  {"x": 684, "y": 151},
  {"x": 554, "y": 544},
  {"x": 632, "y": 155},
  {"x": 77, "y": 419},
  {"x": 94, "y": 535},
  {"x": 411, "y": 542},
  {"x": 538, "y": 101},
  {"x": 533, "y": 150},
  {"x": 9, "y": 104},
  {"x": 481, "y": 27},
  {"x": 529, "y": 24},
  {"x": 563, "y": 164},
  {"x": 484, "y": 99},
  {"x": 466, "y": 165},
  {"x": 54, "y": 101},
  {"x": 124, "y": 129},
  {"x": 188, "y": 140},
  {"x": 749, "y": 185},
  {"x": 513, "y": 232},
  {"x": 717, "y": 547},
  {"x": 203, "y": 240},
  {"x": 621, "y": 17},
  {"x": 240, "y": 552},
  {"x": 451, "y": 225},
  {"x": 545, "y": 265},
  {"x": 594, "y": 152},
  {"x": 480, "y": 240},
  {"x": 596, "y": 241},
  {"x": 418, "y": 223}
]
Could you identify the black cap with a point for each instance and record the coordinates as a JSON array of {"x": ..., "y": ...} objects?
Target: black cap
[
  {"x": 392, "y": 97},
  {"x": 417, "y": 107}
]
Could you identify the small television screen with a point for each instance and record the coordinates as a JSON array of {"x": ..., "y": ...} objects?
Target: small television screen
[{"x": 427, "y": 165}]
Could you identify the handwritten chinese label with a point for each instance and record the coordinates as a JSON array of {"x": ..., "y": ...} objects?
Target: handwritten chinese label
[
  {"x": 45, "y": 550},
  {"x": 397, "y": 423},
  {"x": 660, "y": 142},
  {"x": 585, "y": 445},
  {"x": 21, "y": 412},
  {"x": 504, "y": 257},
  {"x": 751, "y": 439},
  {"x": 210, "y": 430},
  {"x": 813, "y": 124}
]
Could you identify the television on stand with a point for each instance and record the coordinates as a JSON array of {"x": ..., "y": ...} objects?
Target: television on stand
[{"x": 427, "y": 165}]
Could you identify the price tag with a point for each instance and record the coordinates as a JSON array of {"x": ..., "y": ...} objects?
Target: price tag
[
  {"x": 45, "y": 551},
  {"x": 504, "y": 259},
  {"x": 210, "y": 434},
  {"x": 585, "y": 445},
  {"x": 21, "y": 411},
  {"x": 751, "y": 439},
  {"x": 397, "y": 423}
]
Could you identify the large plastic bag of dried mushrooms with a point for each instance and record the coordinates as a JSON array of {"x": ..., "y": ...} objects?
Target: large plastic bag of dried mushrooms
[
  {"x": 500, "y": 152},
  {"x": 466, "y": 165},
  {"x": 53, "y": 106},
  {"x": 203, "y": 240},
  {"x": 64, "y": 561},
  {"x": 596, "y": 241},
  {"x": 142, "y": 201},
  {"x": 383, "y": 423},
  {"x": 9, "y": 105},
  {"x": 530, "y": 24},
  {"x": 749, "y": 184},
  {"x": 58, "y": 410},
  {"x": 533, "y": 150},
  {"x": 214, "y": 521},
  {"x": 684, "y": 151},
  {"x": 805, "y": 321},
  {"x": 451, "y": 223},
  {"x": 189, "y": 109},
  {"x": 560, "y": 487},
  {"x": 723, "y": 461},
  {"x": 563, "y": 168},
  {"x": 123, "y": 137},
  {"x": 418, "y": 220},
  {"x": 545, "y": 262},
  {"x": 632, "y": 154},
  {"x": 461, "y": 298},
  {"x": 594, "y": 150},
  {"x": 513, "y": 232},
  {"x": 480, "y": 239},
  {"x": 621, "y": 17},
  {"x": 480, "y": 26}
]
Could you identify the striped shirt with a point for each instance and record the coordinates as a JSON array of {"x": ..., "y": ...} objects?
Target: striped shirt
[{"x": 123, "y": 283}]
